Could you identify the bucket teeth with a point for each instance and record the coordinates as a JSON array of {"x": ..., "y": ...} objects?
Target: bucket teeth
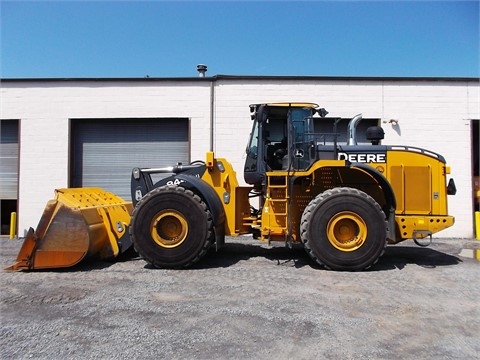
[{"x": 24, "y": 257}]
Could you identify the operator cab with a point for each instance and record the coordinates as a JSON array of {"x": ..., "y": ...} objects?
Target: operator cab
[{"x": 280, "y": 139}]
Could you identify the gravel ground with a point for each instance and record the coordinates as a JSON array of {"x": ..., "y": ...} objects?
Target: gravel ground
[{"x": 248, "y": 301}]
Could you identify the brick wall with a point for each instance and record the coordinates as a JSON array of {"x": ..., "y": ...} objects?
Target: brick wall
[{"x": 432, "y": 114}]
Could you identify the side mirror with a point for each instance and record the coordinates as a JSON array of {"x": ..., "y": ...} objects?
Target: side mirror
[{"x": 322, "y": 112}]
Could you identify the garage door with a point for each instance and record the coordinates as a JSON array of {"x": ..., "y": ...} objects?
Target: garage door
[
  {"x": 105, "y": 151},
  {"x": 8, "y": 159}
]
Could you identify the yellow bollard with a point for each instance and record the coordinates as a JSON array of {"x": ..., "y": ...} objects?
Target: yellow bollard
[
  {"x": 13, "y": 224},
  {"x": 477, "y": 224}
]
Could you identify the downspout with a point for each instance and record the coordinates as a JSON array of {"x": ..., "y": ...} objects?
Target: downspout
[
  {"x": 212, "y": 107},
  {"x": 202, "y": 69}
]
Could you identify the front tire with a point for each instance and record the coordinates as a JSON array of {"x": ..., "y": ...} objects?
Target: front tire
[
  {"x": 344, "y": 229},
  {"x": 171, "y": 227}
]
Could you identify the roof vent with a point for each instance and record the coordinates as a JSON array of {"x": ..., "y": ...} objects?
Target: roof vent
[{"x": 202, "y": 69}]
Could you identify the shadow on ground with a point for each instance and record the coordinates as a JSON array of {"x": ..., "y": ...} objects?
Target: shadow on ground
[{"x": 395, "y": 257}]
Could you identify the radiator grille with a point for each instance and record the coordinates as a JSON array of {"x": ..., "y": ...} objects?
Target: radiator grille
[{"x": 413, "y": 188}]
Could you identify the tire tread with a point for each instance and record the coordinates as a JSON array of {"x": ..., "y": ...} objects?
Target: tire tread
[
  {"x": 307, "y": 214},
  {"x": 149, "y": 258}
]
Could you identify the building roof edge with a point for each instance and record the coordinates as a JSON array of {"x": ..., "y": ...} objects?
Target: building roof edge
[{"x": 241, "y": 77}]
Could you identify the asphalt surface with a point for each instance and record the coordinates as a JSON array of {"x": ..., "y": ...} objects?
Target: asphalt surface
[{"x": 248, "y": 301}]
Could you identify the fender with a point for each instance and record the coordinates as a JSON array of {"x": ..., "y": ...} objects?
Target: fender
[
  {"x": 389, "y": 195},
  {"x": 387, "y": 188},
  {"x": 141, "y": 179},
  {"x": 208, "y": 195}
]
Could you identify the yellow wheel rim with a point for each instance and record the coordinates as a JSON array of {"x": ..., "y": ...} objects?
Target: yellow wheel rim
[
  {"x": 169, "y": 228},
  {"x": 347, "y": 231}
]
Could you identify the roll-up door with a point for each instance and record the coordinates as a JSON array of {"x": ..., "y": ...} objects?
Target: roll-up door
[
  {"x": 8, "y": 172},
  {"x": 8, "y": 159},
  {"x": 104, "y": 151}
]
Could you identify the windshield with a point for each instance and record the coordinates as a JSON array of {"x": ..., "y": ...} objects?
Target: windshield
[{"x": 252, "y": 147}]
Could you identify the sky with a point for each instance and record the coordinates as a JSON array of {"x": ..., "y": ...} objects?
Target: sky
[{"x": 111, "y": 39}]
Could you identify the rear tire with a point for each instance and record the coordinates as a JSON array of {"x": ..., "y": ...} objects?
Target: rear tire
[
  {"x": 171, "y": 227},
  {"x": 344, "y": 229}
]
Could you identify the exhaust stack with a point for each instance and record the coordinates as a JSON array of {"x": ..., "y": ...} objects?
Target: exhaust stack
[{"x": 352, "y": 129}]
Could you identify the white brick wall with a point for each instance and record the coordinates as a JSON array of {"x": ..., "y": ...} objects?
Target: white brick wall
[
  {"x": 44, "y": 110},
  {"x": 431, "y": 114}
]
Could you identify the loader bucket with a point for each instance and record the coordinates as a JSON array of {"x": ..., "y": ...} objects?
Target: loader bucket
[{"x": 77, "y": 223}]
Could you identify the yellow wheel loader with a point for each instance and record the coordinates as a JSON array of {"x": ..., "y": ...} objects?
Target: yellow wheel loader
[{"x": 343, "y": 201}]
